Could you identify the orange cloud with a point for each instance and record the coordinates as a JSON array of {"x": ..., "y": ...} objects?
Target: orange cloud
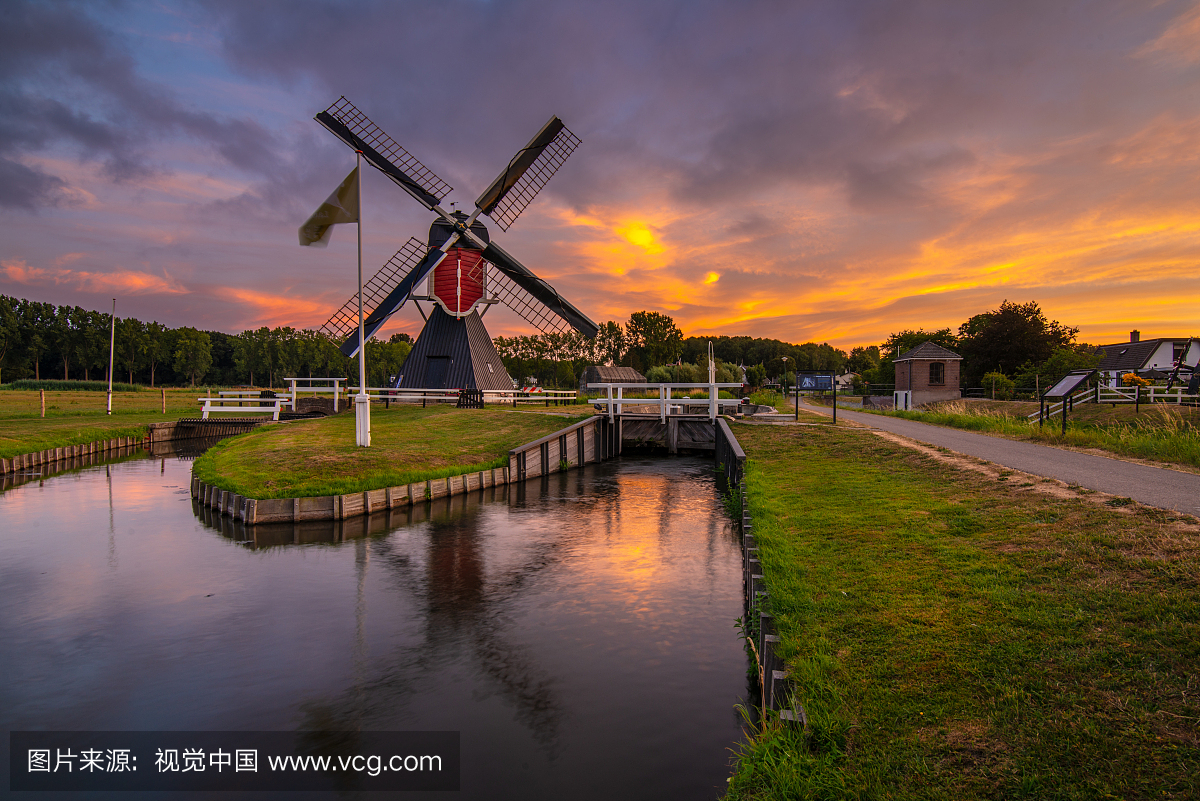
[
  {"x": 276, "y": 310},
  {"x": 127, "y": 282}
]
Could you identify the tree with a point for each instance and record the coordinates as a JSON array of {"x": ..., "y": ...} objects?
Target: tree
[
  {"x": 863, "y": 359},
  {"x": 131, "y": 344},
  {"x": 193, "y": 353},
  {"x": 93, "y": 341},
  {"x": 756, "y": 375},
  {"x": 38, "y": 319},
  {"x": 610, "y": 343},
  {"x": 66, "y": 335},
  {"x": 157, "y": 346},
  {"x": 385, "y": 359},
  {"x": 1061, "y": 362},
  {"x": 655, "y": 336},
  {"x": 900, "y": 343},
  {"x": 400, "y": 338},
  {"x": 1008, "y": 337},
  {"x": 10, "y": 328}
]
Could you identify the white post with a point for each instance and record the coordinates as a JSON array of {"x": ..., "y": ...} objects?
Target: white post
[
  {"x": 662, "y": 403},
  {"x": 362, "y": 402},
  {"x": 712, "y": 402},
  {"x": 293, "y": 382},
  {"x": 112, "y": 343},
  {"x": 620, "y": 406}
]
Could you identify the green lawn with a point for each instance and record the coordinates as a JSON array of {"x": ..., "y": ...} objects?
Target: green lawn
[
  {"x": 953, "y": 637},
  {"x": 76, "y": 418},
  {"x": 408, "y": 443}
]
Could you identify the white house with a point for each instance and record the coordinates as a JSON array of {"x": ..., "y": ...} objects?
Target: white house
[{"x": 1142, "y": 355}]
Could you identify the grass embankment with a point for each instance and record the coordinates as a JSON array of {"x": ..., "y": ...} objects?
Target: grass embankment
[
  {"x": 318, "y": 457},
  {"x": 78, "y": 417},
  {"x": 1160, "y": 432},
  {"x": 955, "y": 637}
]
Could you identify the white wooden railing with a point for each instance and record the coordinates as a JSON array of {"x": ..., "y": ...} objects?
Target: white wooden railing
[
  {"x": 615, "y": 404},
  {"x": 225, "y": 401},
  {"x": 316, "y": 386},
  {"x": 1104, "y": 394}
]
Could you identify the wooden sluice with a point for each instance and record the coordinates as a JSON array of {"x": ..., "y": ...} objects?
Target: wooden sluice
[{"x": 679, "y": 432}]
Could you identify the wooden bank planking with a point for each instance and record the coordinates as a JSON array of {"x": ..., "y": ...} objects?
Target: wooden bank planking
[
  {"x": 155, "y": 433},
  {"x": 585, "y": 442},
  {"x": 25, "y": 461},
  {"x": 773, "y": 679}
]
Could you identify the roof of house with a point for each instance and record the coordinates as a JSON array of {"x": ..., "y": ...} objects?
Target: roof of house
[
  {"x": 614, "y": 375},
  {"x": 928, "y": 350},
  {"x": 1131, "y": 355}
]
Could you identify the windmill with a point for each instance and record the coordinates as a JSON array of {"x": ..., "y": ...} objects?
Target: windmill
[{"x": 467, "y": 272}]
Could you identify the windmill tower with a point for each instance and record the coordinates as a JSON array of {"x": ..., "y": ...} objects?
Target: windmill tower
[{"x": 467, "y": 272}]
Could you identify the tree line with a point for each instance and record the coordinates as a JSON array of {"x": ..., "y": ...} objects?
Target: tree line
[
  {"x": 652, "y": 344},
  {"x": 1015, "y": 345},
  {"x": 41, "y": 340},
  {"x": 1015, "y": 342}
]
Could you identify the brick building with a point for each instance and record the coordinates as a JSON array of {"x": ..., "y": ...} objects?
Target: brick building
[{"x": 929, "y": 373}]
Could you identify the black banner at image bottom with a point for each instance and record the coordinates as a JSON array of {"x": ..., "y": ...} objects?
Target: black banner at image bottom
[{"x": 235, "y": 760}]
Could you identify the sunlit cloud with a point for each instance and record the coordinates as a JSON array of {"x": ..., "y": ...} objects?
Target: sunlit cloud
[
  {"x": 264, "y": 308},
  {"x": 126, "y": 282}
]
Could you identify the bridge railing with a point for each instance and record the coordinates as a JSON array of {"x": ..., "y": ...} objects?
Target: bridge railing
[{"x": 614, "y": 404}]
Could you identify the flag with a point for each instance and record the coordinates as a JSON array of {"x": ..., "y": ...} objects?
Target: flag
[{"x": 341, "y": 207}]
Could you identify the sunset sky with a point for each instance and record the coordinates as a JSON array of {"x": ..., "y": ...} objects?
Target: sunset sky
[{"x": 830, "y": 171}]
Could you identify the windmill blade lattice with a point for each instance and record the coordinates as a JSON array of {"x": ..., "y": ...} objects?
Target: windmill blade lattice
[
  {"x": 536, "y": 175},
  {"x": 525, "y": 305},
  {"x": 378, "y": 143},
  {"x": 344, "y": 321}
]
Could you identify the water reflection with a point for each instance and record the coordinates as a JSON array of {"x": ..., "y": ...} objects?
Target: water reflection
[{"x": 576, "y": 629}]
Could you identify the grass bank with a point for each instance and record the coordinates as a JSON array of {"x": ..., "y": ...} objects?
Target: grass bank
[
  {"x": 1160, "y": 432},
  {"x": 318, "y": 457},
  {"x": 952, "y": 636},
  {"x": 76, "y": 417}
]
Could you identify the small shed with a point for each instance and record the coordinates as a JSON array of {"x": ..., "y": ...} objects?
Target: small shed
[
  {"x": 599, "y": 374},
  {"x": 929, "y": 373}
]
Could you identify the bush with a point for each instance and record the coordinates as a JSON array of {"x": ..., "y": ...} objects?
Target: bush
[
  {"x": 1001, "y": 385},
  {"x": 69, "y": 386}
]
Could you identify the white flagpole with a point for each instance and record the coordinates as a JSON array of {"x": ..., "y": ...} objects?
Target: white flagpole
[
  {"x": 362, "y": 402},
  {"x": 112, "y": 342}
]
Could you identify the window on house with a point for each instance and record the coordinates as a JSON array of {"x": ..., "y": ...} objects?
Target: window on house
[
  {"x": 937, "y": 374},
  {"x": 1177, "y": 352}
]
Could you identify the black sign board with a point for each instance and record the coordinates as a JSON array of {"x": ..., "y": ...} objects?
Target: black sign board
[
  {"x": 809, "y": 381},
  {"x": 1069, "y": 383}
]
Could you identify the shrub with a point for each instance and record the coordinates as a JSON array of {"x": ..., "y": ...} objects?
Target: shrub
[{"x": 1000, "y": 386}]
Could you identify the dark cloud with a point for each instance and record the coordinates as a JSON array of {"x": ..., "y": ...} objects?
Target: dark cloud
[
  {"x": 25, "y": 188},
  {"x": 66, "y": 80}
]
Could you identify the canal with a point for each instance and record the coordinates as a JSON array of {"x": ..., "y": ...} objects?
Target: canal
[{"x": 577, "y": 630}]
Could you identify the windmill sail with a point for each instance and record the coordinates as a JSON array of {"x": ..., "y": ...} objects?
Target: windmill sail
[
  {"x": 385, "y": 293},
  {"x": 528, "y": 171},
  {"x": 539, "y": 289},
  {"x": 526, "y": 306},
  {"x": 383, "y": 153}
]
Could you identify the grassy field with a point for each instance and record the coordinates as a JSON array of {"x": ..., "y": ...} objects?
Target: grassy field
[
  {"x": 953, "y": 636},
  {"x": 75, "y": 418},
  {"x": 408, "y": 443},
  {"x": 1160, "y": 432}
]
